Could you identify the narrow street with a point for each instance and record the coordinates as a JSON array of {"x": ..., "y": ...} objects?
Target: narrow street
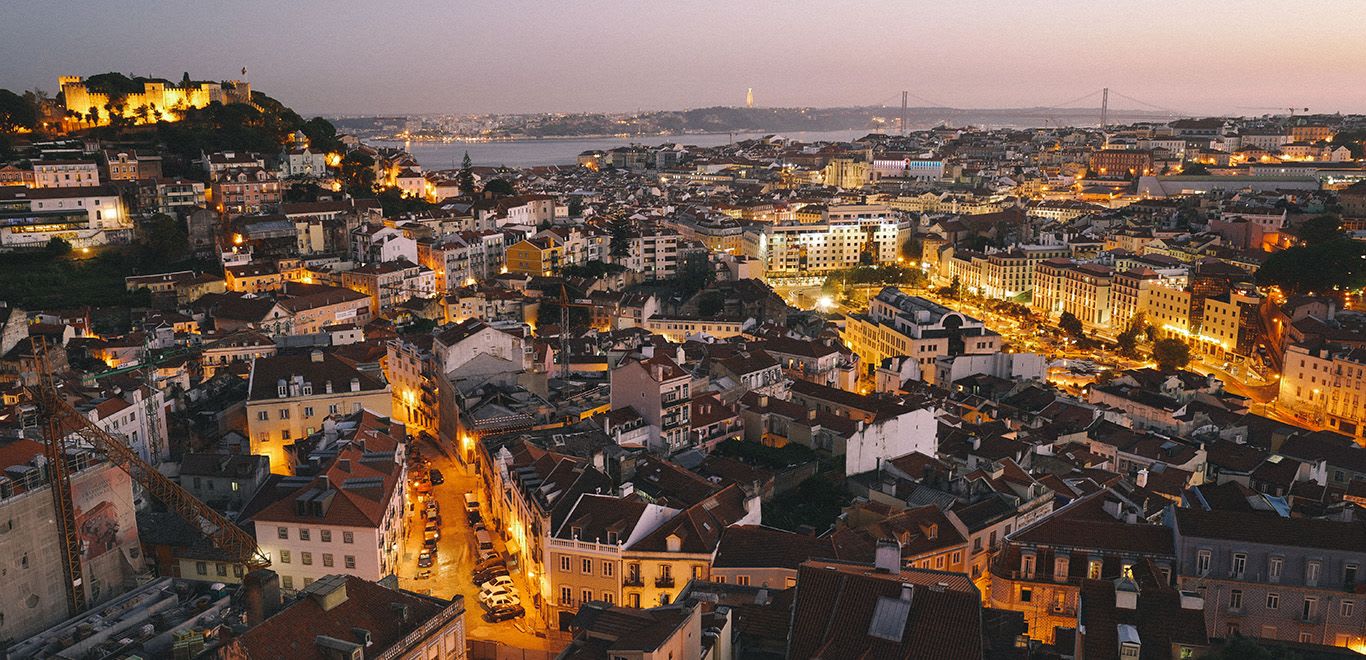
[{"x": 456, "y": 557}]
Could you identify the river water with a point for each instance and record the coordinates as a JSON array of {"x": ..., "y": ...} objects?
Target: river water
[{"x": 526, "y": 153}]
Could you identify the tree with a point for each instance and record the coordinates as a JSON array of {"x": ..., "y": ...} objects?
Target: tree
[
  {"x": 1192, "y": 168},
  {"x": 1128, "y": 340},
  {"x": 575, "y": 206},
  {"x": 57, "y": 247},
  {"x": 500, "y": 187},
  {"x": 358, "y": 172},
  {"x": 1171, "y": 354},
  {"x": 164, "y": 240},
  {"x": 1336, "y": 264},
  {"x": 1071, "y": 325},
  {"x": 322, "y": 135},
  {"x": 1320, "y": 229},
  {"x": 16, "y": 113},
  {"x": 710, "y": 304},
  {"x": 955, "y": 288},
  {"x": 694, "y": 274},
  {"x": 466, "y": 176}
]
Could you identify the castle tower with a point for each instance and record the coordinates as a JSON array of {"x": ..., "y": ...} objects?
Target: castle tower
[{"x": 749, "y": 97}]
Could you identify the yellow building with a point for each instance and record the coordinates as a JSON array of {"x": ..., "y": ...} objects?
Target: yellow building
[
  {"x": 846, "y": 173},
  {"x": 253, "y": 278},
  {"x": 535, "y": 256},
  {"x": 290, "y": 396}
]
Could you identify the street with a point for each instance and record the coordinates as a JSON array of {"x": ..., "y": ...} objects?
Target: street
[{"x": 455, "y": 556}]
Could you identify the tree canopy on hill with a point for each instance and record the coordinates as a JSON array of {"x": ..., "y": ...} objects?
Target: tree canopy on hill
[{"x": 236, "y": 127}]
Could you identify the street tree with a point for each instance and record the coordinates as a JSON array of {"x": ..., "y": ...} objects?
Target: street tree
[{"x": 1171, "y": 354}]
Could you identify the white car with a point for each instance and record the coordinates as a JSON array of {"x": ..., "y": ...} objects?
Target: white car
[
  {"x": 502, "y": 581},
  {"x": 496, "y": 592},
  {"x": 502, "y": 602}
]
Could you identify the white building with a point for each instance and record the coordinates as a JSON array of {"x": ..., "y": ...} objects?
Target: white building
[
  {"x": 847, "y": 238},
  {"x": 83, "y": 216},
  {"x": 65, "y": 173}
]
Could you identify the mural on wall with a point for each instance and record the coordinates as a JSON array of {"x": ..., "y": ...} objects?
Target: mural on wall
[{"x": 105, "y": 516}]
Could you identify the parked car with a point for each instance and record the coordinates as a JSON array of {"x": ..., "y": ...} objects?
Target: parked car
[
  {"x": 424, "y": 559},
  {"x": 432, "y": 529},
  {"x": 480, "y": 577},
  {"x": 502, "y": 601},
  {"x": 436, "y": 477},
  {"x": 499, "y": 582},
  {"x": 496, "y": 592},
  {"x": 504, "y": 614}
]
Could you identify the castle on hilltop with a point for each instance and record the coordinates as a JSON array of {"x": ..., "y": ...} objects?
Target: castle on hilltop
[{"x": 158, "y": 101}]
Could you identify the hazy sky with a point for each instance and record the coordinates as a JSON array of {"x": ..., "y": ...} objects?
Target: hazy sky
[{"x": 1209, "y": 56}]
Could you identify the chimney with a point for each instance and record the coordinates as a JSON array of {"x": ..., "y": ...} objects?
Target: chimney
[
  {"x": 811, "y": 415},
  {"x": 326, "y": 483},
  {"x": 316, "y": 356},
  {"x": 1142, "y": 478},
  {"x": 907, "y": 590},
  {"x": 261, "y": 591},
  {"x": 887, "y": 556},
  {"x": 355, "y": 384},
  {"x": 975, "y": 441},
  {"x": 327, "y": 387},
  {"x": 401, "y": 610}
]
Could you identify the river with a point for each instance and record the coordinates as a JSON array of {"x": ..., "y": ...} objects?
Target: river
[{"x": 525, "y": 153}]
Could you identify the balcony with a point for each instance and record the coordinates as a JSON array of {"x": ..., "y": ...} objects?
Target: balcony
[
  {"x": 664, "y": 582},
  {"x": 633, "y": 581}
]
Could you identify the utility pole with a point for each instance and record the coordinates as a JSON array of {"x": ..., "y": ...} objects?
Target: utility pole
[
  {"x": 904, "y": 94},
  {"x": 1104, "y": 107}
]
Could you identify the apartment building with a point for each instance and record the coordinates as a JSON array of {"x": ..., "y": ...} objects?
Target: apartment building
[
  {"x": 347, "y": 519},
  {"x": 390, "y": 283},
  {"x": 845, "y": 240},
  {"x": 1041, "y": 568},
  {"x": 86, "y": 216},
  {"x": 290, "y": 396},
  {"x": 257, "y": 277},
  {"x": 246, "y": 191},
  {"x": 658, "y": 390},
  {"x": 1326, "y": 384},
  {"x": 65, "y": 173},
  {"x": 539, "y": 257},
  {"x": 902, "y": 325},
  {"x": 1265, "y": 574},
  {"x": 1062, "y": 285}
]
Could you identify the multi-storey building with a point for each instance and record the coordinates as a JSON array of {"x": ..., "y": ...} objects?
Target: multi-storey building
[
  {"x": 658, "y": 390},
  {"x": 389, "y": 283},
  {"x": 901, "y": 325},
  {"x": 1121, "y": 163},
  {"x": 290, "y": 396},
  {"x": 347, "y": 519},
  {"x": 842, "y": 241},
  {"x": 1265, "y": 574},
  {"x": 1081, "y": 289},
  {"x": 65, "y": 173},
  {"x": 543, "y": 256},
  {"x": 1326, "y": 384},
  {"x": 178, "y": 196},
  {"x": 85, "y": 216},
  {"x": 1230, "y": 323},
  {"x": 243, "y": 191},
  {"x": 1041, "y": 568}
]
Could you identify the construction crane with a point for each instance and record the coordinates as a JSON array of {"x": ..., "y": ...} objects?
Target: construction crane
[
  {"x": 565, "y": 303},
  {"x": 63, "y": 421}
]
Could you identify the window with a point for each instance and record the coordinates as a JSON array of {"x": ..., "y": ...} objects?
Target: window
[
  {"x": 284, "y": 556},
  {"x": 1306, "y": 638},
  {"x": 1273, "y": 601},
  {"x": 284, "y": 413},
  {"x": 958, "y": 557},
  {"x": 564, "y": 563},
  {"x": 282, "y": 532},
  {"x": 221, "y": 569},
  {"x": 1235, "y": 599},
  {"x": 284, "y": 435},
  {"x": 566, "y": 596},
  {"x": 350, "y": 561},
  {"x": 306, "y": 558},
  {"x": 287, "y": 582},
  {"x": 326, "y": 535},
  {"x": 1309, "y": 608},
  {"x": 1347, "y": 608},
  {"x": 327, "y": 559},
  {"x": 263, "y": 416},
  {"x": 742, "y": 580},
  {"x": 587, "y": 568},
  {"x": 607, "y": 597},
  {"x": 1311, "y": 574},
  {"x": 1273, "y": 570},
  {"x": 1026, "y": 595},
  {"x": 308, "y": 411},
  {"x": 348, "y": 537},
  {"x": 1349, "y": 575},
  {"x": 201, "y": 568},
  {"x": 303, "y": 534},
  {"x": 1202, "y": 560},
  {"x": 1093, "y": 569},
  {"x": 1239, "y": 564},
  {"x": 607, "y": 569},
  {"x": 666, "y": 570},
  {"x": 587, "y": 595},
  {"x": 332, "y": 409}
]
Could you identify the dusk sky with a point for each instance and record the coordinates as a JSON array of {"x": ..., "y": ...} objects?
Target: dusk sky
[{"x": 1217, "y": 57}]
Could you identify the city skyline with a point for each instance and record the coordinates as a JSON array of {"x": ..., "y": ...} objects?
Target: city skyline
[{"x": 521, "y": 57}]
